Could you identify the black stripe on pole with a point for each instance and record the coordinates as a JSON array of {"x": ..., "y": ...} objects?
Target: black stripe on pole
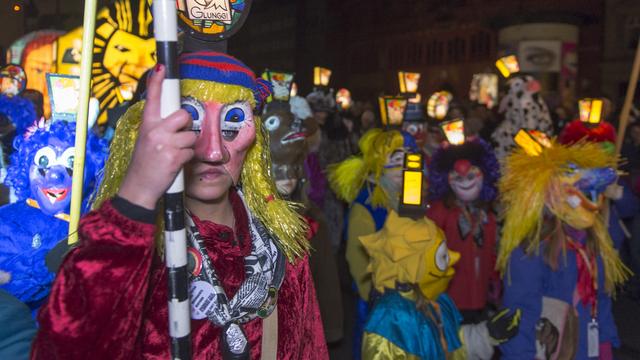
[
  {"x": 173, "y": 212},
  {"x": 167, "y": 55},
  {"x": 178, "y": 288},
  {"x": 181, "y": 347}
]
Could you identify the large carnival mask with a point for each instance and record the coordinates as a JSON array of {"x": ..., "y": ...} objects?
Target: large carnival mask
[
  {"x": 418, "y": 130},
  {"x": 123, "y": 50},
  {"x": 50, "y": 176},
  {"x": 226, "y": 131},
  {"x": 578, "y": 195},
  {"x": 438, "y": 269},
  {"x": 466, "y": 180}
]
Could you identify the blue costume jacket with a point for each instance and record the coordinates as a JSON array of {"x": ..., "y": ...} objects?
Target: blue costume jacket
[
  {"x": 528, "y": 279},
  {"x": 26, "y": 236}
]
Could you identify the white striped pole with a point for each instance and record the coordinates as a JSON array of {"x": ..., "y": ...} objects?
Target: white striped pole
[{"x": 175, "y": 239}]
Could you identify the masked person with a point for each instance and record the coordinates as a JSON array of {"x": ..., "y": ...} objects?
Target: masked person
[
  {"x": 558, "y": 262},
  {"x": 247, "y": 247},
  {"x": 371, "y": 183},
  {"x": 462, "y": 187},
  {"x": 40, "y": 173},
  {"x": 289, "y": 125},
  {"x": 523, "y": 108},
  {"x": 413, "y": 318}
]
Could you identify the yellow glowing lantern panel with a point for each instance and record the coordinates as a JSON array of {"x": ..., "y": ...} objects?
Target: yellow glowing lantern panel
[
  {"x": 438, "y": 104},
  {"x": 69, "y": 52},
  {"x": 454, "y": 131},
  {"x": 508, "y": 65},
  {"x": 412, "y": 180},
  {"x": 281, "y": 82},
  {"x": 321, "y": 76},
  {"x": 590, "y": 110},
  {"x": 408, "y": 82},
  {"x": 484, "y": 89},
  {"x": 392, "y": 110},
  {"x": 343, "y": 98},
  {"x": 532, "y": 141}
]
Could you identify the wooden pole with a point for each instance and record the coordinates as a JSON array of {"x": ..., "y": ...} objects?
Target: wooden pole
[
  {"x": 628, "y": 101},
  {"x": 88, "y": 30}
]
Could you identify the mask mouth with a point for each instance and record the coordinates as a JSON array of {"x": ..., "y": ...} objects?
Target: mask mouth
[
  {"x": 55, "y": 195},
  {"x": 293, "y": 136}
]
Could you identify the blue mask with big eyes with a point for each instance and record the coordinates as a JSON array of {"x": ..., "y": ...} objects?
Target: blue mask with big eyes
[
  {"x": 196, "y": 109},
  {"x": 232, "y": 119}
]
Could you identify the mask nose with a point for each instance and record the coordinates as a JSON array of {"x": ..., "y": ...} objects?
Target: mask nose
[
  {"x": 56, "y": 174},
  {"x": 210, "y": 146},
  {"x": 595, "y": 181}
]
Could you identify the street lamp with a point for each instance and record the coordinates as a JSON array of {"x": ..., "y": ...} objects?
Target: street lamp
[{"x": 392, "y": 109}]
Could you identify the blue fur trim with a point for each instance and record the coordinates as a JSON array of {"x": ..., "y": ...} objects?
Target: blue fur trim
[{"x": 19, "y": 110}]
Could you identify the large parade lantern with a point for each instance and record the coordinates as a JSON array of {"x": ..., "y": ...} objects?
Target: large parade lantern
[
  {"x": 508, "y": 65},
  {"x": 590, "y": 111},
  {"x": 454, "y": 131},
  {"x": 438, "y": 104},
  {"x": 281, "y": 82},
  {"x": 123, "y": 49},
  {"x": 484, "y": 89},
  {"x": 343, "y": 99},
  {"x": 68, "y": 52},
  {"x": 321, "y": 76},
  {"x": 212, "y": 20},
  {"x": 408, "y": 82},
  {"x": 392, "y": 110},
  {"x": 532, "y": 141}
]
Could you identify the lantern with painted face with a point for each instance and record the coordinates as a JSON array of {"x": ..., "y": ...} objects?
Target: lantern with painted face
[
  {"x": 13, "y": 80},
  {"x": 38, "y": 60},
  {"x": 123, "y": 49}
]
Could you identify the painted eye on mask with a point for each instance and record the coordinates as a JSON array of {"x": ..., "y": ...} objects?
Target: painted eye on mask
[
  {"x": 67, "y": 158},
  {"x": 195, "y": 109},
  {"x": 45, "y": 157},
  {"x": 233, "y": 117},
  {"x": 272, "y": 123},
  {"x": 442, "y": 257}
]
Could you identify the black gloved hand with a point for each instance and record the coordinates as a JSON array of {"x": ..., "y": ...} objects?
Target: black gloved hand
[{"x": 504, "y": 325}]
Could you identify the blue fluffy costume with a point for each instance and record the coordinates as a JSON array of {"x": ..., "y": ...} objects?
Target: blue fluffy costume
[{"x": 40, "y": 172}]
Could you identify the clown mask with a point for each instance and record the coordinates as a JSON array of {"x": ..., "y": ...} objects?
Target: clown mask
[
  {"x": 391, "y": 178},
  {"x": 578, "y": 195},
  {"x": 50, "y": 176},
  {"x": 438, "y": 269},
  {"x": 417, "y": 130},
  {"x": 465, "y": 180},
  {"x": 225, "y": 134}
]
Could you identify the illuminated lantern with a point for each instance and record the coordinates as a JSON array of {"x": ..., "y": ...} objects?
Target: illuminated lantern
[
  {"x": 64, "y": 93},
  {"x": 590, "y": 111},
  {"x": 411, "y": 201},
  {"x": 294, "y": 89},
  {"x": 15, "y": 50},
  {"x": 392, "y": 110},
  {"x": 69, "y": 52},
  {"x": 343, "y": 99},
  {"x": 281, "y": 82},
  {"x": 212, "y": 20},
  {"x": 484, "y": 89},
  {"x": 408, "y": 82},
  {"x": 321, "y": 76},
  {"x": 438, "y": 104},
  {"x": 532, "y": 141},
  {"x": 123, "y": 49},
  {"x": 508, "y": 65},
  {"x": 12, "y": 80},
  {"x": 454, "y": 131},
  {"x": 37, "y": 61}
]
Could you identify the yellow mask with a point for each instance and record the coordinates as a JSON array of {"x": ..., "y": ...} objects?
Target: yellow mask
[{"x": 439, "y": 270}]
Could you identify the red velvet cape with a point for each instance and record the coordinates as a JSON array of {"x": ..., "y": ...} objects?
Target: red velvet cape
[{"x": 109, "y": 300}]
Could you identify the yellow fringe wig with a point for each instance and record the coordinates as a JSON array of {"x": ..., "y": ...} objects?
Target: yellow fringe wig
[
  {"x": 347, "y": 177},
  {"x": 398, "y": 250},
  {"x": 278, "y": 215},
  {"x": 527, "y": 183}
]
